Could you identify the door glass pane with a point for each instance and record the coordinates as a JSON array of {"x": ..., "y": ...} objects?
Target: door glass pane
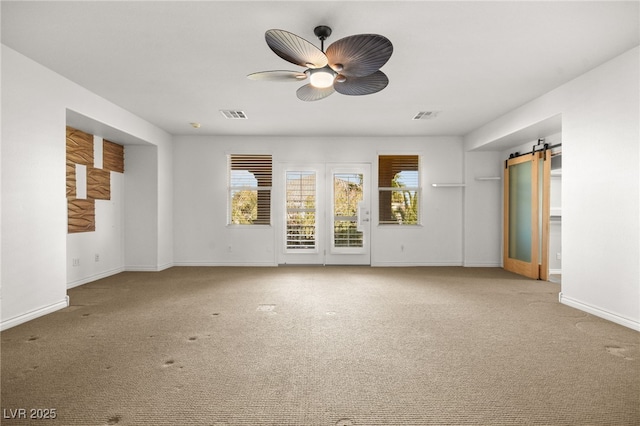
[
  {"x": 520, "y": 209},
  {"x": 347, "y": 193},
  {"x": 301, "y": 211}
]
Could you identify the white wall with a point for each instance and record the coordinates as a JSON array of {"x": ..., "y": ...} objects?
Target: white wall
[
  {"x": 600, "y": 184},
  {"x": 34, "y": 213},
  {"x": 200, "y": 171},
  {"x": 555, "y": 225},
  {"x": 483, "y": 209},
  {"x": 33, "y": 194},
  {"x": 164, "y": 210},
  {"x": 141, "y": 203},
  {"x": 106, "y": 242}
]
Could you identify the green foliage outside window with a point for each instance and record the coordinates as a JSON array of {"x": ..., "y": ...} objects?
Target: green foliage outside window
[
  {"x": 404, "y": 203},
  {"x": 244, "y": 207}
]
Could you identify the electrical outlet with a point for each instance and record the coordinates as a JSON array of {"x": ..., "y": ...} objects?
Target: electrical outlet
[
  {"x": 97, "y": 257},
  {"x": 558, "y": 256},
  {"x": 76, "y": 262}
]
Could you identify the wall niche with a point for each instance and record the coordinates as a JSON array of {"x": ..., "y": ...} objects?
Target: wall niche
[{"x": 89, "y": 180}]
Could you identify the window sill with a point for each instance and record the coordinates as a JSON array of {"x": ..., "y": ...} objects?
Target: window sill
[
  {"x": 234, "y": 226},
  {"x": 399, "y": 225}
]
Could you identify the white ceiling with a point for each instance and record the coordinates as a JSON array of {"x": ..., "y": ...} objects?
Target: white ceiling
[{"x": 176, "y": 62}]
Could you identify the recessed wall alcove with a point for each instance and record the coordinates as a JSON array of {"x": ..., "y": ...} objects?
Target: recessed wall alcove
[{"x": 95, "y": 190}]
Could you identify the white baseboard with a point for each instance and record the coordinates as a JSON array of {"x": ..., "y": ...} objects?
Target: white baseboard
[
  {"x": 140, "y": 268},
  {"x": 594, "y": 310},
  {"x": 106, "y": 274},
  {"x": 409, "y": 264},
  {"x": 95, "y": 277},
  {"x": 555, "y": 271},
  {"x": 482, "y": 264},
  {"x": 165, "y": 266},
  {"x": 12, "y": 322},
  {"x": 148, "y": 268},
  {"x": 248, "y": 264}
]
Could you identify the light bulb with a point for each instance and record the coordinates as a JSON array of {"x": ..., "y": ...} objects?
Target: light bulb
[{"x": 322, "y": 77}]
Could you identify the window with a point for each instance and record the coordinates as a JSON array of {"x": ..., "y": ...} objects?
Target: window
[
  {"x": 347, "y": 194},
  {"x": 301, "y": 211},
  {"x": 250, "y": 179},
  {"x": 398, "y": 189}
]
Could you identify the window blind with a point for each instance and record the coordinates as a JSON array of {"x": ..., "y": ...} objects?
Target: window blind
[
  {"x": 398, "y": 189},
  {"x": 250, "y": 181},
  {"x": 301, "y": 211}
]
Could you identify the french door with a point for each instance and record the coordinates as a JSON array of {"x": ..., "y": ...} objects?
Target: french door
[
  {"x": 327, "y": 214},
  {"x": 348, "y": 217},
  {"x": 526, "y": 215}
]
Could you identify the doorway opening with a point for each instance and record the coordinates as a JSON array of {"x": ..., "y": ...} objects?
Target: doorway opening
[{"x": 529, "y": 231}]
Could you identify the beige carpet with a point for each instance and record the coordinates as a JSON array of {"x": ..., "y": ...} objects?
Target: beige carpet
[{"x": 321, "y": 346}]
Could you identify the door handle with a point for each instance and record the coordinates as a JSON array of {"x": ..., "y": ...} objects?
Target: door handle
[{"x": 362, "y": 211}]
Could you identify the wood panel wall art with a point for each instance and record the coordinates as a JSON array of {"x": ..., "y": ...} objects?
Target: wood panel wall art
[
  {"x": 71, "y": 179},
  {"x": 79, "y": 147},
  {"x": 82, "y": 215},
  {"x": 98, "y": 184},
  {"x": 113, "y": 157},
  {"x": 80, "y": 150}
]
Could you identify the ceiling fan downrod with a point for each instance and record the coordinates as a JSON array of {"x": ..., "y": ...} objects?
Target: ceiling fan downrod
[{"x": 322, "y": 32}]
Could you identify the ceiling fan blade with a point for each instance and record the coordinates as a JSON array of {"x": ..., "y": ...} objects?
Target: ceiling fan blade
[
  {"x": 277, "y": 76},
  {"x": 356, "y": 86},
  {"x": 295, "y": 49},
  {"x": 359, "y": 55},
  {"x": 308, "y": 93}
]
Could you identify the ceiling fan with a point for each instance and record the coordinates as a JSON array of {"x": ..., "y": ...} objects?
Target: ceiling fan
[{"x": 350, "y": 66}]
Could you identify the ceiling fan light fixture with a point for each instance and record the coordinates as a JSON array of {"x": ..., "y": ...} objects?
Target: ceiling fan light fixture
[
  {"x": 350, "y": 66},
  {"x": 322, "y": 77}
]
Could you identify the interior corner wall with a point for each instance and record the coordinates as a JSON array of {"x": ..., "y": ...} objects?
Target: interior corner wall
[
  {"x": 483, "y": 209},
  {"x": 141, "y": 201},
  {"x": 34, "y": 212},
  {"x": 164, "y": 231},
  {"x": 600, "y": 184}
]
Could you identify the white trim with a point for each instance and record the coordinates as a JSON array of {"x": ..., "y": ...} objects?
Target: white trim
[
  {"x": 140, "y": 268},
  {"x": 20, "y": 319},
  {"x": 599, "y": 312},
  {"x": 555, "y": 271},
  {"x": 147, "y": 268},
  {"x": 402, "y": 264},
  {"x": 482, "y": 264},
  {"x": 165, "y": 266},
  {"x": 248, "y": 226},
  {"x": 92, "y": 278},
  {"x": 243, "y": 264}
]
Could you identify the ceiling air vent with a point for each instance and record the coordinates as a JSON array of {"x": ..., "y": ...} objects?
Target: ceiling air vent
[
  {"x": 426, "y": 115},
  {"x": 233, "y": 115}
]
